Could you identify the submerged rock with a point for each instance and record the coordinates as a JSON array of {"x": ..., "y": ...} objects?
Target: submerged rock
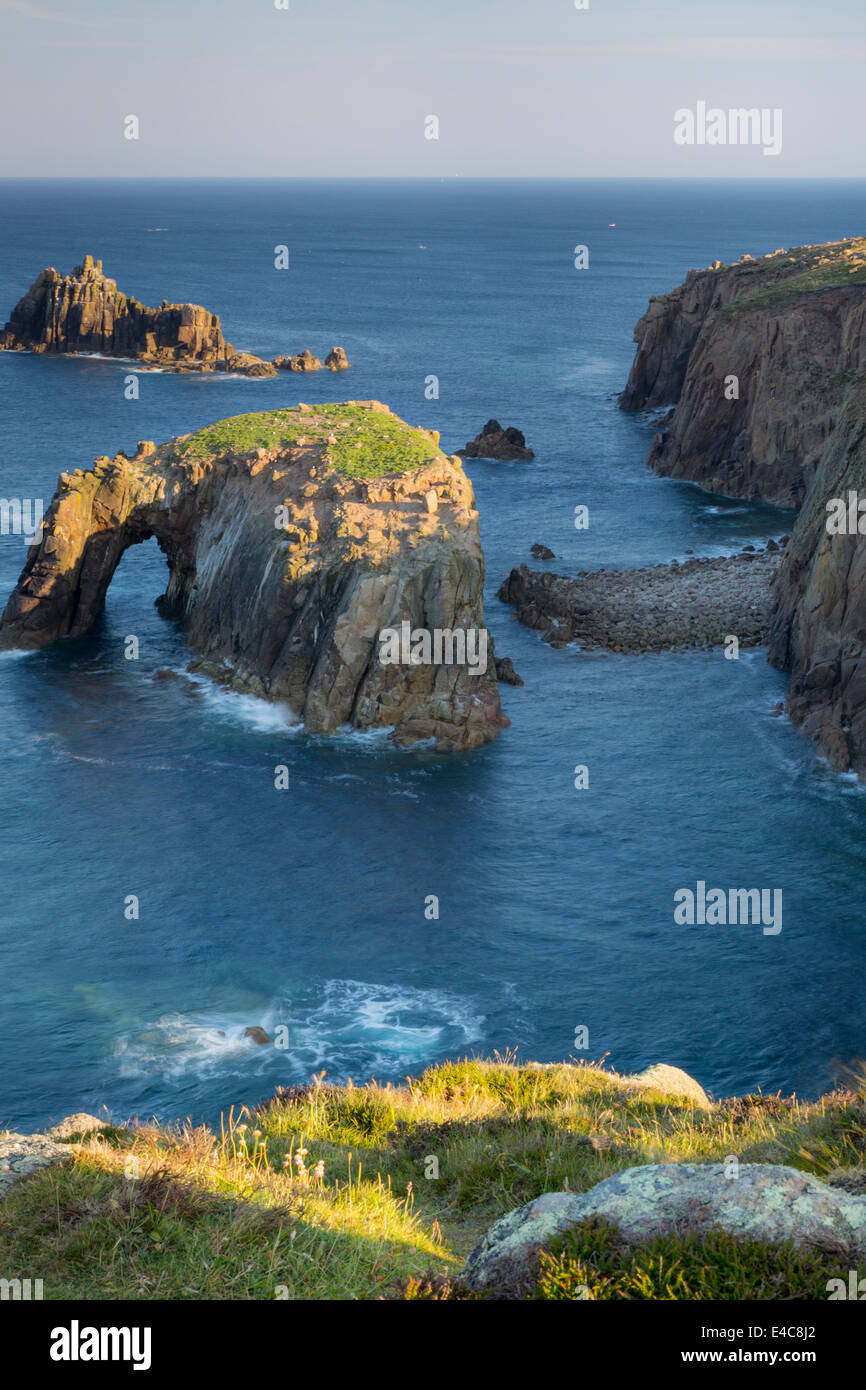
[
  {"x": 494, "y": 442},
  {"x": 257, "y": 1034},
  {"x": 86, "y": 312},
  {"x": 762, "y": 1202},
  {"x": 293, "y": 539},
  {"x": 541, "y": 552}
]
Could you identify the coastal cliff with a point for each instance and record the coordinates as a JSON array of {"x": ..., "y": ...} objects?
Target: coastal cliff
[
  {"x": 791, "y": 329},
  {"x": 86, "y": 312},
  {"x": 292, "y": 539},
  {"x": 819, "y": 627}
]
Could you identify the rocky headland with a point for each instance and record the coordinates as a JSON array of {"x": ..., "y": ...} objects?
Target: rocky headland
[
  {"x": 764, "y": 365},
  {"x": 85, "y": 312},
  {"x": 292, "y": 539},
  {"x": 756, "y": 359},
  {"x": 662, "y": 608}
]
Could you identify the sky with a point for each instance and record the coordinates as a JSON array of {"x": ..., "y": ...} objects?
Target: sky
[{"x": 519, "y": 88}]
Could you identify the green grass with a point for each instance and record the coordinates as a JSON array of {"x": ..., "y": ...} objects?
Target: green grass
[
  {"x": 832, "y": 270},
  {"x": 187, "y": 1213},
  {"x": 590, "y": 1262},
  {"x": 368, "y": 444}
]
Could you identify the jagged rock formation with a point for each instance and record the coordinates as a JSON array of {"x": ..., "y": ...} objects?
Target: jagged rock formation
[
  {"x": 337, "y": 361},
  {"x": 86, "y": 312},
  {"x": 304, "y": 362},
  {"x": 496, "y": 443},
  {"x": 819, "y": 628},
  {"x": 292, "y": 538},
  {"x": 791, "y": 327}
]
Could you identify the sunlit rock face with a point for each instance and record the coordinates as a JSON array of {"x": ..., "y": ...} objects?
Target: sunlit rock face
[
  {"x": 293, "y": 539},
  {"x": 86, "y": 312},
  {"x": 755, "y": 358}
]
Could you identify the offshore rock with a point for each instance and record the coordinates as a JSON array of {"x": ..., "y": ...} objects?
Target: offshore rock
[
  {"x": 304, "y": 362},
  {"x": 496, "y": 443},
  {"x": 86, "y": 312},
  {"x": 336, "y": 360},
  {"x": 292, "y": 539}
]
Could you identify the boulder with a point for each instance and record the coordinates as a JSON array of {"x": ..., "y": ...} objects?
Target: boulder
[
  {"x": 494, "y": 442},
  {"x": 304, "y": 362},
  {"x": 22, "y": 1155},
  {"x": 671, "y": 1081},
  {"x": 79, "y": 1123},
  {"x": 505, "y": 671},
  {"x": 336, "y": 360},
  {"x": 257, "y": 1034},
  {"x": 762, "y": 1202}
]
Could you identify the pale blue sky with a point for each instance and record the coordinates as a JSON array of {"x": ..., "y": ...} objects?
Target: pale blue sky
[{"x": 342, "y": 87}]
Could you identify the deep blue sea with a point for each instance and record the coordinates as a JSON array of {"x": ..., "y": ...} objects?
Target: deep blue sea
[{"x": 306, "y": 907}]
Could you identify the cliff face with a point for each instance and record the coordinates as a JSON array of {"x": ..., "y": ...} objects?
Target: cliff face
[
  {"x": 292, "y": 538},
  {"x": 85, "y": 312},
  {"x": 791, "y": 328},
  {"x": 819, "y": 630}
]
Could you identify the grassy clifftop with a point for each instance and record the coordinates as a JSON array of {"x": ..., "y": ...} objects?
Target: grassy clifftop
[
  {"x": 362, "y": 438},
  {"x": 364, "y": 1192}
]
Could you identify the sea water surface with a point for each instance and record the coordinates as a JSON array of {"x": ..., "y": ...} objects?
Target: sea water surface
[{"x": 306, "y": 907}]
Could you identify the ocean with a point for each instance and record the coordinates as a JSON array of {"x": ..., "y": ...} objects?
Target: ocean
[{"x": 306, "y": 907}]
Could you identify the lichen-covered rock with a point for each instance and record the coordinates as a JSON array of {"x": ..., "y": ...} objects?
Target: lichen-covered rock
[
  {"x": 790, "y": 327},
  {"x": 86, "y": 312},
  {"x": 21, "y": 1155},
  {"x": 293, "y": 538},
  {"x": 759, "y": 1201},
  {"x": 494, "y": 442}
]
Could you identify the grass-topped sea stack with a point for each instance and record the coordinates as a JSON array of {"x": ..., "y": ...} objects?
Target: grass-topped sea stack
[{"x": 293, "y": 537}]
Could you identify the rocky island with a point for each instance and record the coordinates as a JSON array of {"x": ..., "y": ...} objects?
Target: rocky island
[
  {"x": 86, "y": 312},
  {"x": 293, "y": 538}
]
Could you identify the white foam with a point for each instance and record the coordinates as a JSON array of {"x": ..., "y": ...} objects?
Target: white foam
[{"x": 346, "y": 1026}]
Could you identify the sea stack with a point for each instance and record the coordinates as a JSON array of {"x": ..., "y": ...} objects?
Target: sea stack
[{"x": 294, "y": 539}]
